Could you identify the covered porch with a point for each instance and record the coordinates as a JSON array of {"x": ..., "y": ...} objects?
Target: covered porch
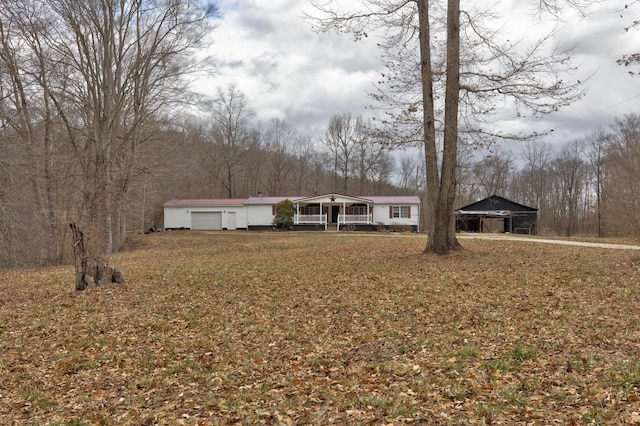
[{"x": 333, "y": 210}]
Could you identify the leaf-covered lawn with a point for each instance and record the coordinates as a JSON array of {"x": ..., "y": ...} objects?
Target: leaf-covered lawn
[{"x": 315, "y": 328}]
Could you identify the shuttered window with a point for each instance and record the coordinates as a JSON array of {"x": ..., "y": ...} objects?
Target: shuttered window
[{"x": 400, "y": 212}]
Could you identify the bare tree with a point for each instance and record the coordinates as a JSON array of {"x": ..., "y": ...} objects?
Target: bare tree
[
  {"x": 253, "y": 165},
  {"x": 318, "y": 183},
  {"x": 279, "y": 140},
  {"x": 494, "y": 69},
  {"x": 28, "y": 111},
  {"x": 467, "y": 186},
  {"x": 129, "y": 59},
  {"x": 625, "y": 145},
  {"x": 597, "y": 143},
  {"x": 381, "y": 173},
  {"x": 569, "y": 184},
  {"x": 368, "y": 152},
  {"x": 99, "y": 77},
  {"x": 410, "y": 173},
  {"x": 339, "y": 137},
  {"x": 7, "y": 243},
  {"x": 537, "y": 157},
  {"x": 493, "y": 173},
  {"x": 632, "y": 59},
  {"x": 231, "y": 116},
  {"x": 305, "y": 157},
  {"x": 622, "y": 186}
]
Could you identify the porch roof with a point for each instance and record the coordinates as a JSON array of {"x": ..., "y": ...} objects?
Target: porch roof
[
  {"x": 339, "y": 199},
  {"x": 332, "y": 199}
]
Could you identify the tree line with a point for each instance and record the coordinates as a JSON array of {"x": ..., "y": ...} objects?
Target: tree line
[
  {"x": 86, "y": 90},
  {"x": 590, "y": 186},
  {"x": 98, "y": 127},
  {"x": 52, "y": 176},
  {"x": 236, "y": 156}
]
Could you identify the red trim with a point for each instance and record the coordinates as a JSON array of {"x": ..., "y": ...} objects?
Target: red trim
[
  {"x": 273, "y": 210},
  {"x": 390, "y": 212},
  {"x": 409, "y": 212}
]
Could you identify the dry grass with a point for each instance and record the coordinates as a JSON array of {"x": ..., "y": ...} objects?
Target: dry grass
[{"x": 297, "y": 328}]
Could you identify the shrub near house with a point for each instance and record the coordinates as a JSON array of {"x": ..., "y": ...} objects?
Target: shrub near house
[{"x": 285, "y": 211}]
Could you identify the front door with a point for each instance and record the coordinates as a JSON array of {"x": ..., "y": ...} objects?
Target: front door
[{"x": 335, "y": 211}]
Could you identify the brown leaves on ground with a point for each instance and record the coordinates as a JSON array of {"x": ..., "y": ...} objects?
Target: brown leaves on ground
[{"x": 315, "y": 328}]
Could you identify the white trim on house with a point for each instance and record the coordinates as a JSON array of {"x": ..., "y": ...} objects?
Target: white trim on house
[{"x": 341, "y": 212}]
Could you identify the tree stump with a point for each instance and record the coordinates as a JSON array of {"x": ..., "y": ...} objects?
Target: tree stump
[{"x": 91, "y": 271}]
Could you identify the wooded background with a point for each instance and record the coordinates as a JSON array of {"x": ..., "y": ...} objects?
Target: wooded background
[{"x": 99, "y": 127}]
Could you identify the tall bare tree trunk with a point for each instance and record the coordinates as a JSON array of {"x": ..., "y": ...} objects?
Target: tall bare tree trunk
[
  {"x": 441, "y": 190},
  {"x": 531, "y": 83},
  {"x": 428, "y": 119}
]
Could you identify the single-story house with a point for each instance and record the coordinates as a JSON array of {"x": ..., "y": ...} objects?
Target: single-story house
[
  {"x": 320, "y": 212},
  {"x": 497, "y": 214}
]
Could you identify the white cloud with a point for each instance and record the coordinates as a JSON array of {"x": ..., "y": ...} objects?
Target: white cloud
[
  {"x": 595, "y": 43},
  {"x": 288, "y": 71}
]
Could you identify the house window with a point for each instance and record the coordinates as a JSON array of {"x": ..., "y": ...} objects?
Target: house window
[
  {"x": 357, "y": 210},
  {"x": 310, "y": 209},
  {"x": 403, "y": 212}
]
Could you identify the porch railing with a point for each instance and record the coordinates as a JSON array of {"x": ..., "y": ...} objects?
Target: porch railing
[
  {"x": 347, "y": 219},
  {"x": 310, "y": 218},
  {"x": 343, "y": 219}
]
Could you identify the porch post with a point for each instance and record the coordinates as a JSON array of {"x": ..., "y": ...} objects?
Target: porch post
[{"x": 344, "y": 212}]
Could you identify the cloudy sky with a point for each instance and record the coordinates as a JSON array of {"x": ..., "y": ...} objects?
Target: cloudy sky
[{"x": 289, "y": 72}]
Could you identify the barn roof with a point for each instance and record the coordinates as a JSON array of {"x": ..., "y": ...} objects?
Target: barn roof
[{"x": 495, "y": 205}]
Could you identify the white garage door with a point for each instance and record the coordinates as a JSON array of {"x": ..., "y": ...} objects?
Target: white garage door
[{"x": 202, "y": 221}]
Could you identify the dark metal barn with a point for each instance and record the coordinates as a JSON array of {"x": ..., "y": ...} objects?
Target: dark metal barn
[{"x": 496, "y": 214}]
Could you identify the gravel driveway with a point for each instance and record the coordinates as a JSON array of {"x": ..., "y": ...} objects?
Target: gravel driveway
[{"x": 508, "y": 237}]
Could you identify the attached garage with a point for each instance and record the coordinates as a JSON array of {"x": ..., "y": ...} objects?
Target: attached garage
[
  {"x": 206, "y": 221},
  {"x": 205, "y": 215}
]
